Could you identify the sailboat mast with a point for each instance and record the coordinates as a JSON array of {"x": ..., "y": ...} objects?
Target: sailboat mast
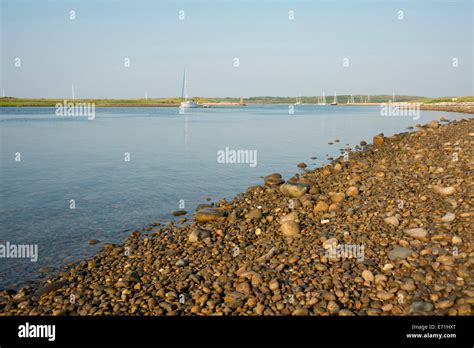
[{"x": 183, "y": 88}]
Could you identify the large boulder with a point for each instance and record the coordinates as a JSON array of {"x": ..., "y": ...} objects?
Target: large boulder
[
  {"x": 208, "y": 214},
  {"x": 295, "y": 190},
  {"x": 273, "y": 179}
]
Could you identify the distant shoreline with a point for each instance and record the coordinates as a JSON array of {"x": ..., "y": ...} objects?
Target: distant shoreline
[
  {"x": 360, "y": 100},
  {"x": 463, "y": 107}
]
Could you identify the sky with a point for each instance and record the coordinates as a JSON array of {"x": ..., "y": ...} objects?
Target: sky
[{"x": 236, "y": 48}]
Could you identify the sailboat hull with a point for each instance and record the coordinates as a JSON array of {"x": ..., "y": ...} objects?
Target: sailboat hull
[{"x": 188, "y": 105}]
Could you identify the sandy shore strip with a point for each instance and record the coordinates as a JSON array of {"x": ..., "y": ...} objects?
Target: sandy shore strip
[
  {"x": 387, "y": 231},
  {"x": 467, "y": 108}
]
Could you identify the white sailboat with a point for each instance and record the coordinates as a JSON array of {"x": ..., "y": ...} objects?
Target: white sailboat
[
  {"x": 298, "y": 100},
  {"x": 323, "y": 100},
  {"x": 187, "y": 103},
  {"x": 335, "y": 99}
]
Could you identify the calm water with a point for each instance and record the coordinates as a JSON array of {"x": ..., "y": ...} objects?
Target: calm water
[{"x": 172, "y": 157}]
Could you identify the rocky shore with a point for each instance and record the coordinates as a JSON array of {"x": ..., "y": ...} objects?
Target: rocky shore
[{"x": 386, "y": 231}]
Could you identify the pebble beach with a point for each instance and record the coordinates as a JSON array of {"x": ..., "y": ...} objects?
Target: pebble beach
[{"x": 385, "y": 229}]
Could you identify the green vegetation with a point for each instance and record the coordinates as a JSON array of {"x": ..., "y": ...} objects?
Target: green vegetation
[
  {"x": 447, "y": 99},
  {"x": 342, "y": 99},
  {"x": 7, "y": 101}
]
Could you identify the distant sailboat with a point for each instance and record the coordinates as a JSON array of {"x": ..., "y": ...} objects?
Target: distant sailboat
[
  {"x": 323, "y": 100},
  {"x": 187, "y": 103},
  {"x": 335, "y": 99},
  {"x": 298, "y": 100}
]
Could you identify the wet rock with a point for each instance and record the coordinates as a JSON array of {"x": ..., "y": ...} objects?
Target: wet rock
[
  {"x": 378, "y": 140},
  {"x": 301, "y": 165},
  {"x": 179, "y": 212},
  {"x": 203, "y": 206},
  {"x": 274, "y": 179},
  {"x": 294, "y": 190},
  {"x": 93, "y": 242},
  {"x": 208, "y": 214},
  {"x": 46, "y": 289}
]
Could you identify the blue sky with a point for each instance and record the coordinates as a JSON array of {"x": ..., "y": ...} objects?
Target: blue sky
[{"x": 277, "y": 56}]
